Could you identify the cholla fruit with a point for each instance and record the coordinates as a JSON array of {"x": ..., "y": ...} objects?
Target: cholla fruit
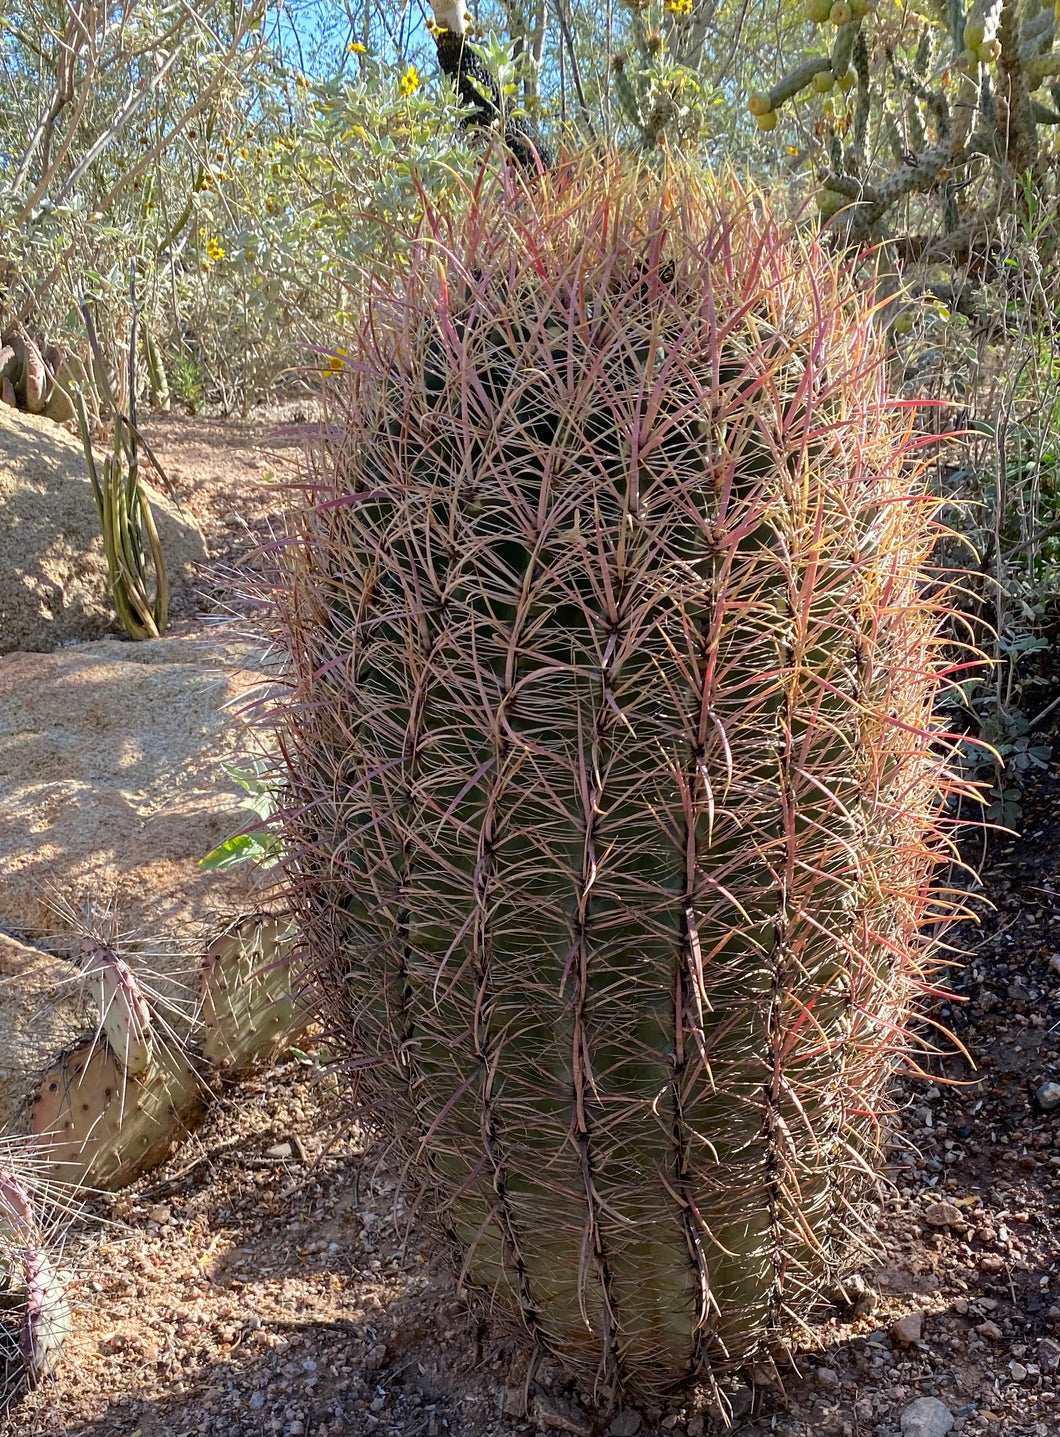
[{"x": 612, "y": 790}]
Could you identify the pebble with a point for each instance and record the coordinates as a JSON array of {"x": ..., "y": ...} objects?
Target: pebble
[
  {"x": 740, "y": 1399},
  {"x": 990, "y": 1331},
  {"x": 942, "y": 1214},
  {"x": 1049, "y": 1354},
  {"x": 1017, "y": 1371},
  {"x": 926, "y": 1417},
  {"x": 1048, "y": 1097},
  {"x": 279, "y": 1150},
  {"x": 625, "y": 1423},
  {"x": 561, "y": 1416},
  {"x": 513, "y": 1402},
  {"x": 161, "y": 1214},
  {"x": 827, "y": 1378},
  {"x": 857, "y": 1292},
  {"x": 908, "y": 1329},
  {"x": 374, "y": 1358}
]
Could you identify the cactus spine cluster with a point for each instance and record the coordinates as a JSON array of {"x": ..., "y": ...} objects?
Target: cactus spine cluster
[{"x": 612, "y": 793}]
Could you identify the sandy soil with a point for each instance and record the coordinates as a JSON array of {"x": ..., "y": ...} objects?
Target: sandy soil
[{"x": 270, "y": 1281}]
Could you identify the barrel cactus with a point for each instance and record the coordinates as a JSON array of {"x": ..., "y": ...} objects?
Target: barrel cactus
[{"x": 612, "y": 791}]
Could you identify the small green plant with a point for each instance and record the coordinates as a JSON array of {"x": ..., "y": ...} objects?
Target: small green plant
[
  {"x": 130, "y": 537},
  {"x": 260, "y": 845},
  {"x": 187, "y": 383}
]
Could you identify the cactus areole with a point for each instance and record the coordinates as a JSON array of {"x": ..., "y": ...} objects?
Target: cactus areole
[{"x": 612, "y": 794}]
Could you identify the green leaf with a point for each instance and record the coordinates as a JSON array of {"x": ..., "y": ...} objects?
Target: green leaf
[{"x": 234, "y": 850}]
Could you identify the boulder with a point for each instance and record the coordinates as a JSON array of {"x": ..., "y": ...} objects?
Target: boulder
[
  {"x": 43, "y": 1010},
  {"x": 111, "y": 789},
  {"x": 54, "y": 587}
]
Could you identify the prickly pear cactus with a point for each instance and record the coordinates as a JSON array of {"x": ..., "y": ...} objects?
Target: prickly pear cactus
[
  {"x": 609, "y": 735},
  {"x": 46, "y": 1321},
  {"x": 250, "y": 1009},
  {"x": 34, "y": 1309},
  {"x": 100, "y": 1126},
  {"x": 124, "y": 1012}
]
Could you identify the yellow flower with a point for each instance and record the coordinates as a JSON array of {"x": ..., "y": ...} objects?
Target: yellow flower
[
  {"x": 337, "y": 361},
  {"x": 356, "y": 48},
  {"x": 679, "y": 7},
  {"x": 215, "y": 249},
  {"x": 410, "y": 81}
]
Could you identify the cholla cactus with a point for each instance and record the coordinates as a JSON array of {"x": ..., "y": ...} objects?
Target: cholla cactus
[
  {"x": 657, "y": 90},
  {"x": 952, "y": 116},
  {"x": 612, "y": 779}
]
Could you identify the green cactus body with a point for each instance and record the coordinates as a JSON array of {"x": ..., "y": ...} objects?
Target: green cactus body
[
  {"x": 802, "y": 76},
  {"x": 843, "y": 49},
  {"x": 1042, "y": 68},
  {"x": 925, "y": 53},
  {"x": 609, "y": 751},
  {"x": 249, "y": 1009},
  {"x": 863, "y": 105},
  {"x": 627, "y": 97},
  {"x": 914, "y": 122}
]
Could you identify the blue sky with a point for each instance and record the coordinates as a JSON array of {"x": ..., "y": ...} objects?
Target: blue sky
[{"x": 313, "y": 33}]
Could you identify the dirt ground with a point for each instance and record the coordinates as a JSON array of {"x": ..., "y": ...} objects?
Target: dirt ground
[{"x": 270, "y": 1281}]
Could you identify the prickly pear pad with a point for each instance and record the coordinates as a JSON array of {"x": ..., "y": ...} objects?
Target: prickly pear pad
[
  {"x": 101, "y": 1128},
  {"x": 250, "y": 1010}
]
